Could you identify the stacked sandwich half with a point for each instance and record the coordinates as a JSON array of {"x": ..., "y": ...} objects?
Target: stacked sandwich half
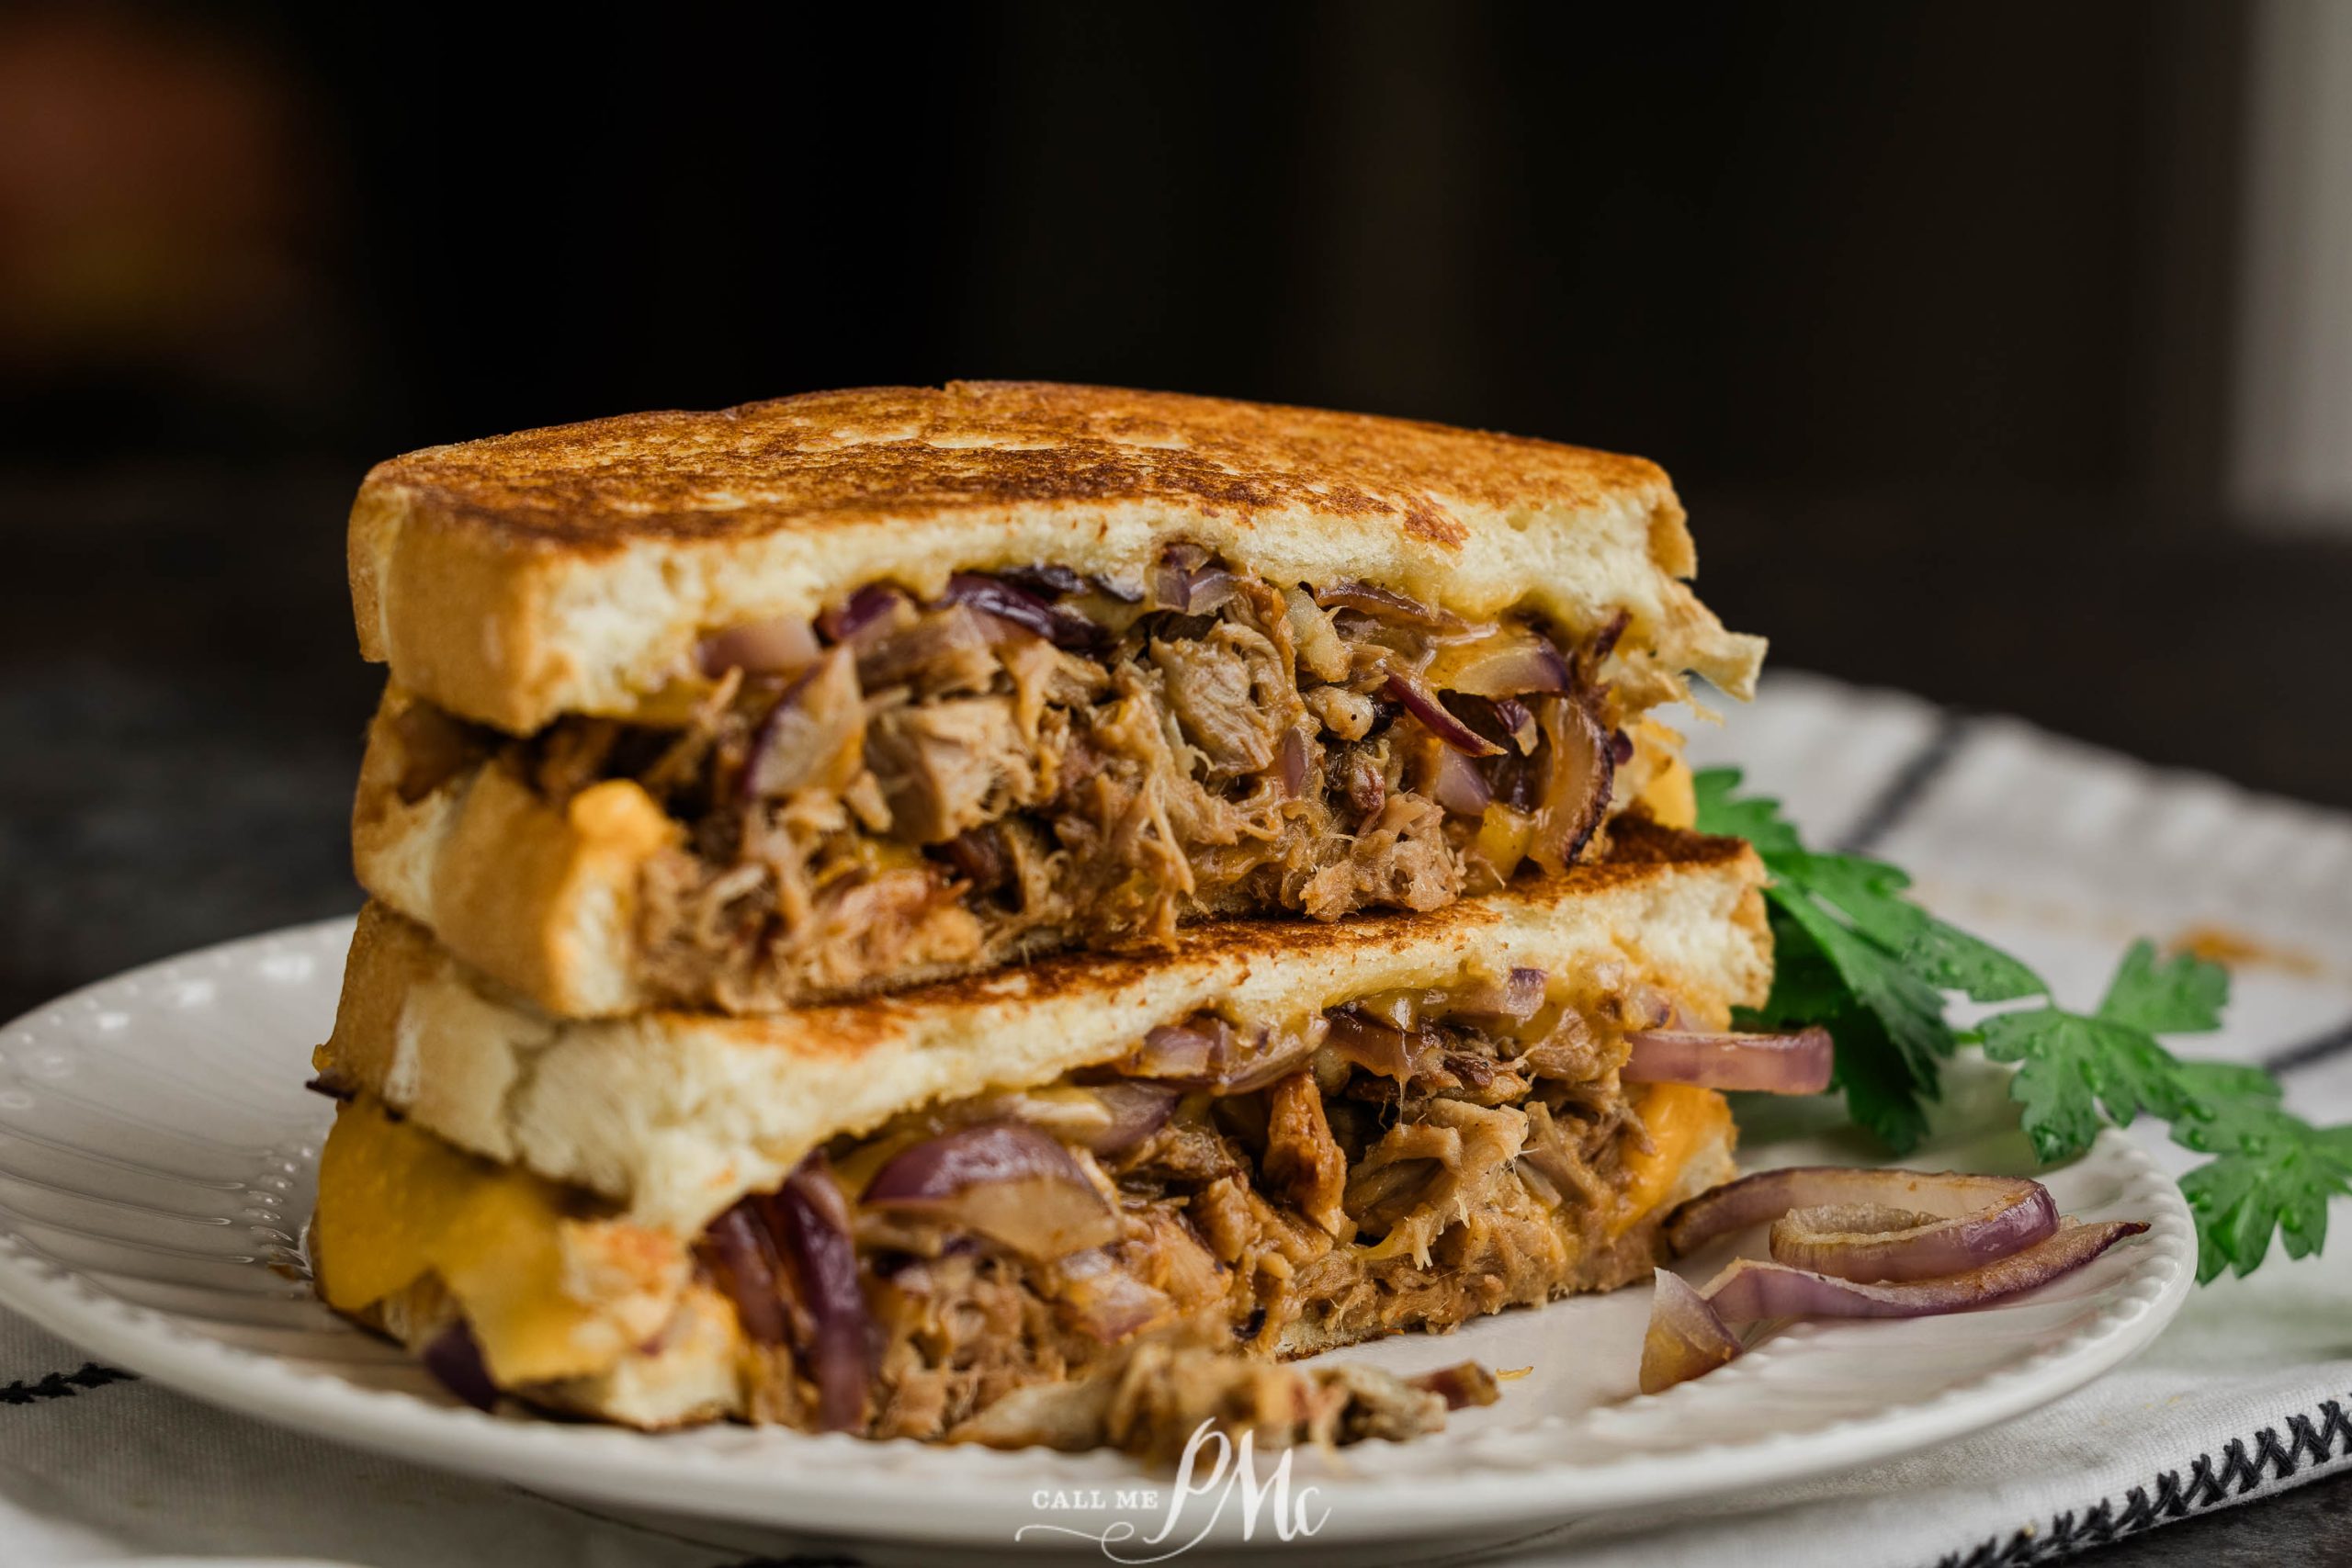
[{"x": 1013, "y": 911}]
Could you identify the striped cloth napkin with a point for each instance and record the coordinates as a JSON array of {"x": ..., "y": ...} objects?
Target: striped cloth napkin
[{"x": 2057, "y": 851}]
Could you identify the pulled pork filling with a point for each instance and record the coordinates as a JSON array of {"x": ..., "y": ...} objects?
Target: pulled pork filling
[
  {"x": 1409, "y": 1160},
  {"x": 1037, "y": 759}
]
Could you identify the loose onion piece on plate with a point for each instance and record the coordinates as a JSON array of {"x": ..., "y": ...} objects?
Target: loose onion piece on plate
[
  {"x": 1874, "y": 1225},
  {"x": 1686, "y": 1337},
  {"x": 1771, "y": 1064},
  {"x": 1749, "y": 1290},
  {"x": 1871, "y": 1243},
  {"x": 1463, "y": 1386}
]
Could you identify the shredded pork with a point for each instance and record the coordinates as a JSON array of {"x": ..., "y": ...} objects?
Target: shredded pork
[
  {"x": 948, "y": 789},
  {"x": 1387, "y": 1184}
]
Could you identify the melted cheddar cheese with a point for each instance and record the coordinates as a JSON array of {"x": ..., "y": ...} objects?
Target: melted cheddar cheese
[
  {"x": 1682, "y": 1119},
  {"x": 396, "y": 1204},
  {"x": 1669, "y": 798}
]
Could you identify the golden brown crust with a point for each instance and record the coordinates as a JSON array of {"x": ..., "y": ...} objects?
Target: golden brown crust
[{"x": 571, "y": 569}]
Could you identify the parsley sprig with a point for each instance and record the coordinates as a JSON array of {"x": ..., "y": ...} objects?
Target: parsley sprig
[{"x": 1858, "y": 955}]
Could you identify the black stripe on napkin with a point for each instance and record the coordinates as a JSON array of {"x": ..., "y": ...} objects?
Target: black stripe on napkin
[
  {"x": 1910, "y": 783},
  {"x": 2318, "y": 1048},
  {"x": 63, "y": 1385},
  {"x": 2314, "y": 1436}
]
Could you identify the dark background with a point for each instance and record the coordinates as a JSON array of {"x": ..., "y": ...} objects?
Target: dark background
[
  {"x": 1926, "y": 308},
  {"x": 1929, "y": 309}
]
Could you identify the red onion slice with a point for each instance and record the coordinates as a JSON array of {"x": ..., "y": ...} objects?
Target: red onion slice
[
  {"x": 1507, "y": 662},
  {"x": 871, "y": 608},
  {"x": 742, "y": 1256},
  {"x": 1769, "y": 1063},
  {"x": 1687, "y": 1338},
  {"x": 1004, "y": 1180},
  {"x": 1388, "y": 605},
  {"x": 979, "y": 858},
  {"x": 1456, "y": 784},
  {"x": 1276, "y": 1057},
  {"x": 1061, "y": 627},
  {"x": 1604, "y": 641},
  {"x": 1378, "y": 1047},
  {"x": 1188, "y": 581},
  {"x": 1575, "y": 789},
  {"x": 1103, "y": 1117},
  {"x": 1966, "y": 1221},
  {"x": 1871, "y": 1243},
  {"x": 815, "y": 735},
  {"x": 1290, "y": 762},
  {"x": 454, "y": 1358},
  {"x": 1207, "y": 1052},
  {"x": 1193, "y": 1052},
  {"x": 1421, "y": 702},
  {"x": 1044, "y": 581},
  {"x": 1513, "y": 998},
  {"x": 780, "y": 646},
  {"x": 1749, "y": 1290},
  {"x": 1138, "y": 1110},
  {"x": 810, "y": 1217}
]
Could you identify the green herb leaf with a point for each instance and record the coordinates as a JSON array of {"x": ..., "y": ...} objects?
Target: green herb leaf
[
  {"x": 1752, "y": 818},
  {"x": 2071, "y": 1067},
  {"x": 2182, "y": 995},
  {"x": 1856, "y": 956},
  {"x": 1882, "y": 1095},
  {"x": 1910, "y": 1009},
  {"x": 2273, "y": 1174}
]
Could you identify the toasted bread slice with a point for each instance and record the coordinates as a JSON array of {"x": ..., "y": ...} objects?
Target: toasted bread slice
[
  {"x": 574, "y": 569},
  {"x": 672, "y": 1116}
]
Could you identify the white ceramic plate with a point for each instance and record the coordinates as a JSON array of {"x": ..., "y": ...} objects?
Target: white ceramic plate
[{"x": 156, "y": 1159}]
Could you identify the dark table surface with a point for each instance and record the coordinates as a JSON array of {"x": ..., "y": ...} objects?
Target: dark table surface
[{"x": 181, "y": 710}]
